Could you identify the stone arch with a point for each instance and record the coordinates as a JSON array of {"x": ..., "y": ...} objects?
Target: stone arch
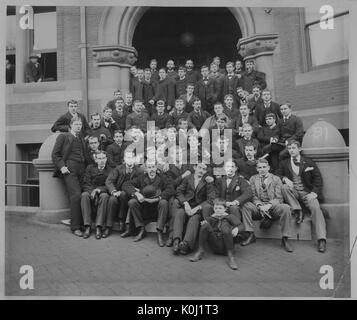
[{"x": 118, "y": 24}]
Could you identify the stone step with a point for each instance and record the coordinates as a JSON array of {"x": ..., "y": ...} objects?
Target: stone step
[{"x": 298, "y": 232}]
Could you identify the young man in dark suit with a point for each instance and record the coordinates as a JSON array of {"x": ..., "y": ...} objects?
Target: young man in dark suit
[
  {"x": 255, "y": 99},
  {"x": 181, "y": 82},
  {"x": 69, "y": 158},
  {"x": 97, "y": 130},
  {"x": 171, "y": 73},
  {"x": 118, "y": 201},
  {"x": 230, "y": 83},
  {"x": 248, "y": 164},
  {"x": 247, "y": 132},
  {"x": 205, "y": 90},
  {"x": 243, "y": 118},
  {"x": 95, "y": 194},
  {"x": 192, "y": 75},
  {"x": 160, "y": 117},
  {"x": 149, "y": 195},
  {"x": 303, "y": 182},
  {"x": 198, "y": 116},
  {"x": 153, "y": 68},
  {"x": 268, "y": 106},
  {"x": 269, "y": 139},
  {"x": 137, "y": 86},
  {"x": 115, "y": 151},
  {"x": 230, "y": 108},
  {"x": 188, "y": 97},
  {"x": 108, "y": 122},
  {"x": 119, "y": 114},
  {"x": 148, "y": 91},
  {"x": 194, "y": 199},
  {"x": 62, "y": 124},
  {"x": 165, "y": 90},
  {"x": 178, "y": 113},
  {"x": 251, "y": 77},
  {"x": 138, "y": 117},
  {"x": 291, "y": 128}
]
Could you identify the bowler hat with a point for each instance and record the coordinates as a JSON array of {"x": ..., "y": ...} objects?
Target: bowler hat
[
  {"x": 33, "y": 55},
  {"x": 151, "y": 191}
]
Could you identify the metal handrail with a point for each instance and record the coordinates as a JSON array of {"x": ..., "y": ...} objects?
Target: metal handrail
[{"x": 21, "y": 185}]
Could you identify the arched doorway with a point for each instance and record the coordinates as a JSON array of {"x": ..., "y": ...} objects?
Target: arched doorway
[{"x": 180, "y": 33}]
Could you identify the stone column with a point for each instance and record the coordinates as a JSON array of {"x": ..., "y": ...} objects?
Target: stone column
[
  {"x": 54, "y": 201},
  {"x": 114, "y": 63},
  {"x": 324, "y": 144},
  {"x": 260, "y": 47},
  {"x": 22, "y": 45}
]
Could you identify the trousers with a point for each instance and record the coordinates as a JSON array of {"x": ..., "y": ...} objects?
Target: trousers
[
  {"x": 292, "y": 197},
  {"x": 114, "y": 204},
  {"x": 86, "y": 205}
]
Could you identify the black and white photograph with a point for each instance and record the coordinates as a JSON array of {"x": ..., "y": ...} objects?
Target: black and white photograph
[{"x": 177, "y": 150}]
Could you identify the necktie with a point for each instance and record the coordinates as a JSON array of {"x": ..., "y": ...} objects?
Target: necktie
[
  {"x": 296, "y": 162},
  {"x": 262, "y": 181}
]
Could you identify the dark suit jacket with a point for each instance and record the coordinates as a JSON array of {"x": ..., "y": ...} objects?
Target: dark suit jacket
[
  {"x": 265, "y": 133},
  {"x": 193, "y": 76},
  {"x": 241, "y": 143},
  {"x": 206, "y": 93},
  {"x": 148, "y": 91},
  {"x": 175, "y": 173},
  {"x": 291, "y": 129},
  {"x": 198, "y": 119},
  {"x": 62, "y": 149},
  {"x": 117, "y": 177},
  {"x": 160, "y": 121},
  {"x": 247, "y": 168},
  {"x": 103, "y": 142},
  {"x": 310, "y": 174},
  {"x": 261, "y": 111},
  {"x": 250, "y": 79},
  {"x": 137, "y": 89},
  {"x": 120, "y": 120},
  {"x": 174, "y": 118},
  {"x": 115, "y": 153},
  {"x": 62, "y": 123},
  {"x": 94, "y": 178},
  {"x": 161, "y": 181},
  {"x": 204, "y": 192},
  {"x": 33, "y": 73},
  {"x": 188, "y": 103},
  {"x": 239, "y": 189},
  {"x": 224, "y": 87},
  {"x": 111, "y": 127},
  {"x": 180, "y": 87},
  {"x": 165, "y": 90}
]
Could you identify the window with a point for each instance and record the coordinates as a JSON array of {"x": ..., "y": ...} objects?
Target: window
[
  {"x": 42, "y": 41},
  {"x": 326, "y": 46}
]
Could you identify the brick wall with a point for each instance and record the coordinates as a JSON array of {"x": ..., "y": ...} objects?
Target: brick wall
[{"x": 288, "y": 62}]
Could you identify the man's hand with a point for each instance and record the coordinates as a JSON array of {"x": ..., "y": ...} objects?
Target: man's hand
[
  {"x": 310, "y": 196},
  {"x": 186, "y": 174},
  {"x": 203, "y": 222},
  {"x": 235, "y": 231},
  {"x": 288, "y": 182},
  {"x": 94, "y": 193},
  {"x": 165, "y": 167},
  {"x": 187, "y": 208},
  {"x": 171, "y": 112},
  {"x": 64, "y": 170},
  {"x": 153, "y": 200},
  {"x": 169, "y": 108},
  {"x": 140, "y": 197},
  {"x": 151, "y": 101},
  {"x": 195, "y": 210},
  {"x": 116, "y": 194}
]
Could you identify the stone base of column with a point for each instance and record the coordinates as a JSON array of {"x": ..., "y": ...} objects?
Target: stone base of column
[
  {"x": 53, "y": 216},
  {"x": 337, "y": 222}
]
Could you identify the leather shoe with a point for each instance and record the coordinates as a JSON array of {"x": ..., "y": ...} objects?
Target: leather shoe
[
  {"x": 321, "y": 245},
  {"x": 169, "y": 242},
  {"x": 121, "y": 226},
  {"x": 87, "y": 232},
  {"x": 232, "y": 263},
  {"x": 141, "y": 235},
  {"x": 286, "y": 245},
  {"x": 176, "y": 248},
  {"x": 106, "y": 232},
  {"x": 198, "y": 256},
  {"x": 249, "y": 240},
  {"x": 126, "y": 233},
  {"x": 78, "y": 233},
  {"x": 160, "y": 241},
  {"x": 98, "y": 233},
  {"x": 184, "y": 248}
]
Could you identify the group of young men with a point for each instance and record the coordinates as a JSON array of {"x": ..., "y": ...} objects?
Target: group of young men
[{"x": 146, "y": 158}]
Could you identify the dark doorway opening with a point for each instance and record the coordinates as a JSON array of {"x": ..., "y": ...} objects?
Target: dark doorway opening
[{"x": 186, "y": 33}]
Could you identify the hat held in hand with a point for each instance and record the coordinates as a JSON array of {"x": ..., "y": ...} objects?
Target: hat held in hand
[{"x": 151, "y": 192}]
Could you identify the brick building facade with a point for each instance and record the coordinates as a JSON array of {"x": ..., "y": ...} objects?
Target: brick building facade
[{"x": 95, "y": 50}]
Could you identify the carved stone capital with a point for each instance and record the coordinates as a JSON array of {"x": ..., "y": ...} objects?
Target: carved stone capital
[
  {"x": 116, "y": 55},
  {"x": 257, "y": 45}
]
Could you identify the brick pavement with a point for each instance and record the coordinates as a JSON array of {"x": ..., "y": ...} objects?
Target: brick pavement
[{"x": 65, "y": 265}]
